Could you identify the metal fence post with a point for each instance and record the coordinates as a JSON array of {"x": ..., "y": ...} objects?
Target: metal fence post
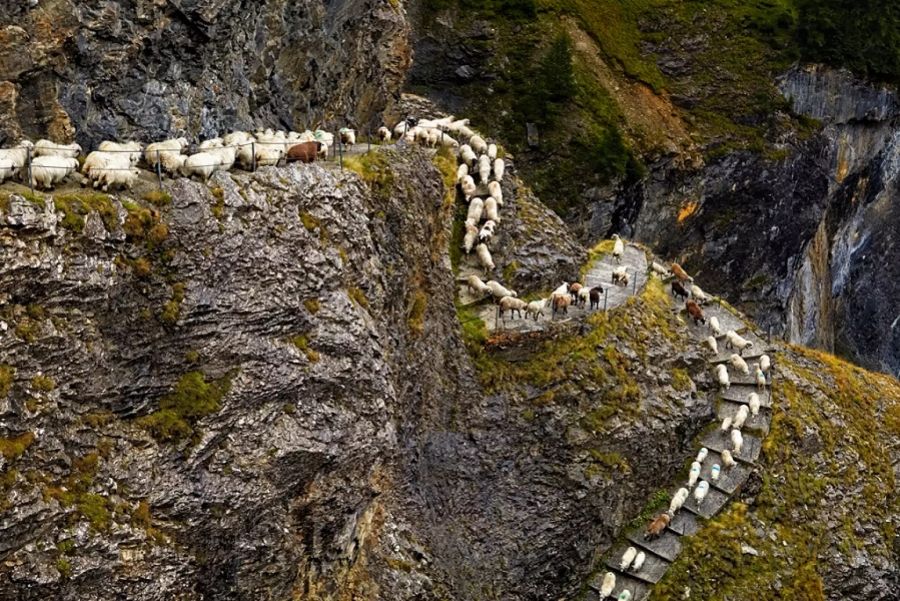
[
  {"x": 605, "y": 297},
  {"x": 369, "y": 141},
  {"x": 634, "y": 285},
  {"x": 158, "y": 171},
  {"x": 253, "y": 156},
  {"x": 341, "y": 151},
  {"x": 28, "y": 162}
]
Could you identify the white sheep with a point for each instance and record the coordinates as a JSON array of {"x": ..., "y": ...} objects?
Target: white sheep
[
  {"x": 384, "y": 134},
  {"x": 7, "y": 169},
  {"x": 455, "y": 126},
  {"x": 48, "y": 148},
  {"x": 765, "y": 363},
  {"x": 584, "y": 296},
  {"x": 722, "y": 376},
  {"x": 639, "y": 561},
  {"x": 712, "y": 344},
  {"x": 268, "y": 152},
  {"x": 468, "y": 186},
  {"x": 468, "y": 156},
  {"x": 447, "y": 142},
  {"x": 618, "y": 248},
  {"x": 498, "y": 291},
  {"x": 226, "y": 156},
  {"x": 461, "y": 172},
  {"x": 627, "y": 557},
  {"x": 701, "y": 454},
  {"x": 741, "y": 416},
  {"x": 714, "y": 472},
  {"x": 698, "y": 295},
  {"x": 47, "y": 170},
  {"x": 609, "y": 583},
  {"x": 470, "y": 237},
  {"x": 693, "y": 474},
  {"x": 499, "y": 168},
  {"x": 678, "y": 500},
  {"x": 100, "y": 159},
  {"x": 202, "y": 164},
  {"x": 484, "y": 168},
  {"x": 733, "y": 340},
  {"x": 243, "y": 144},
  {"x": 726, "y": 425},
  {"x": 132, "y": 149},
  {"x": 727, "y": 459},
  {"x": 760, "y": 378},
  {"x": 476, "y": 210},
  {"x": 211, "y": 143},
  {"x": 490, "y": 209},
  {"x": 167, "y": 153},
  {"x": 478, "y": 144},
  {"x": 661, "y": 270},
  {"x": 111, "y": 177},
  {"x": 714, "y": 326},
  {"x": 466, "y": 132},
  {"x": 492, "y": 151},
  {"x": 487, "y": 231},
  {"x": 754, "y": 403},
  {"x": 737, "y": 441},
  {"x": 535, "y": 308},
  {"x": 484, "y": 256},
  {"x": 477, "y": 286},
  {"x": 348, "y": 136},
  {"x": 701, "y": 492},
  {"x": 17, "y": 155},
  {"x": 401, "y": 128},
  {"x": 562, "y": 289},
  {"x": 739, "y": 364},
  {"x": 513, "y": 305},
  {"x": 496, "y": 192}
]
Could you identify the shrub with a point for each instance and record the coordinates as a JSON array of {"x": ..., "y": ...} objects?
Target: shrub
[
  {"x": 7, "y": 377},
  {"x": 192, "y": 399},
  {"x": 13, "y": 448},
  {"x": 43, "y": 383}
]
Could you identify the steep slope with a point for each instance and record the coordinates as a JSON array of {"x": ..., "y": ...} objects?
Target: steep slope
[{"x": 109, "y": 70}]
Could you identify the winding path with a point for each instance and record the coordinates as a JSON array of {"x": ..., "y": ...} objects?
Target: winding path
[
  {"x": 665, "y": 549},
  {"x": 600, "y": 274}
]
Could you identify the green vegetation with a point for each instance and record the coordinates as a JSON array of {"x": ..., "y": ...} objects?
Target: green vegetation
[
  {"x": 218, "y": 207},
  {"x": 374, "y": 169},
  {"x": 15, "y": 447},
  {"x": 192, "y": 399},
  {"x": 417, "y": 305},
  {"x": 158, "y": 198},
  {"x": 312, "y": 305},
  {"x": 7, "y": 377},
  {"x": 657, "y": 503},
  {"x": 681, "y": 380},
  {"x": 827, "y": 435},
  {"x": 358, "y": 296},
  {"x": 172, "y": 308},
  {"x": 43, "y": 383},
  {"x": 301, "y": 341},
  {"x": 75, "y": 207},
  {"x": 308, "y": 221}
]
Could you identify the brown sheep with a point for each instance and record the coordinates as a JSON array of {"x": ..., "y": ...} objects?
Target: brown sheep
[
  {"x": 305, "y": 152},
  {"x": 573, "y": 290},
  {"x": 695, "y": 311},
  {"x": 656, "y": 527},
  {"x": 561, "y": 303},
  {"x": 681, "y": 274},
  {"x": 596, "y": 291},
  {"x": 679, "y": 290}
]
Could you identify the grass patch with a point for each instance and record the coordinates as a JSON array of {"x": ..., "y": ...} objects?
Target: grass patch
[
  {"x": 192, "y": 399},
  {"x": 301, "y": 341},
  {"x": 75, "y": 207},
  {"x": 312, "y": 305},
  {"x": 374, "y": 169},
  {"x": 43, "y": 383},
  {"x": 15, "y": 447},
  {"x": 158, "y": 198},
  {"x": 171, "y": 310},
  {"x": 415, "y": 319},
  {"x": 658, "y": 502},
  {"x": 7, "y": 377},
  {"x": 681, "y": 380},
  {"x": 309, "y": 221},
  {"x": 358, "y": 296}
]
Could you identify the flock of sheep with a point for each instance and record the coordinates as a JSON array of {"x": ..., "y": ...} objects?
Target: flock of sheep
[
  {"x": 45, "y": 164},
  {"x": 682, "y": 285}
]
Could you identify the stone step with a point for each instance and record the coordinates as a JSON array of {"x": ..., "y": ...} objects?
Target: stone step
[
  {"x": 715, "y": 500},
  {"x": 717, "y": 441},
  {"x": 684, "y": 524},
  {"x": 667, "y": 545},
  {"x": 730, "y": 479},
  {"x": 651, "y": 572},
  {"x": 759, "y": 422},
  {"x": 740, "y": 394}
]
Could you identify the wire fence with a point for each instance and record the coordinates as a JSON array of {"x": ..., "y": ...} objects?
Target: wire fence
[{"x": 333, "y": 149}]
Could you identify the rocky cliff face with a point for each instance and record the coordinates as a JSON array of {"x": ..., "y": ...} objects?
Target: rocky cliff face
[{"x": 155, "y": 68}]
